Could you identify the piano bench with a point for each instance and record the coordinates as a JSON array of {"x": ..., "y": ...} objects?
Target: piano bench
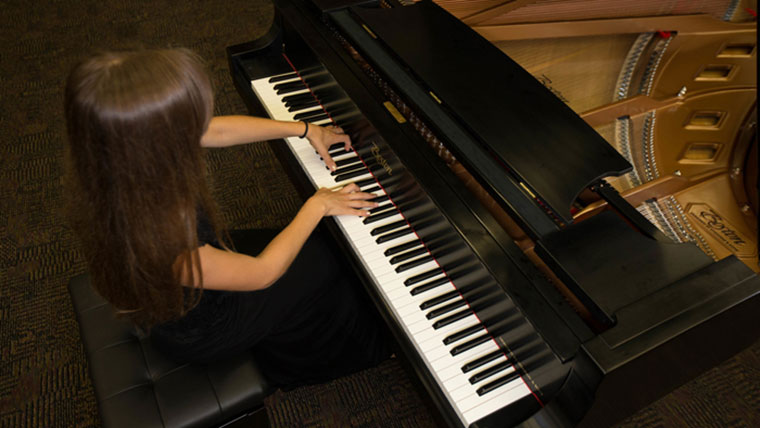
[{"x": 136, "y": 386}]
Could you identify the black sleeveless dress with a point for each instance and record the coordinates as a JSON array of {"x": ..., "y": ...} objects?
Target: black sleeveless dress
[{"x": 310, "y": 326}]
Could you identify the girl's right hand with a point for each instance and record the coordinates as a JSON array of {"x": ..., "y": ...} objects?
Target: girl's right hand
[{"x": 346, "y": 201}]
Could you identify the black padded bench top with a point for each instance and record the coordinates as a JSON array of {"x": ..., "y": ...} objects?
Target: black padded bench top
[{"x": 137, "y": 386}]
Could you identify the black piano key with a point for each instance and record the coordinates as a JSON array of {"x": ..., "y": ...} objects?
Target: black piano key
[
  {"x": 286, "y": 88},
  {"x": 429, "y": 286},
  {"x": 371, "y": 190},
  {"x": 379, "y": 208},
  {"x": 408, "y": 255},
  {"x": 474, "y": 364},
  {"x": 485, "y": 389},
  {"x": 379, "y": 216},
  {"x": 290, "y": 99},
  {"x": 313, "y": 119},
  {"x": 348, "y": 161},
  {"x": 414, "y": 263},
  {"x": 423, "y": 276},
  {"x": 435, "y": 301},
  {"x": 286, "y": 85},
  {"x": 349, "y": 168},
  {"x": 469, "y": 331},
  {"x": 341, "y": 152},
  {"x": 306, "y": 115},
  {"x": 350, "y": 175},
  {"x": 282, "y": 77},
  {"x": 378, "y": 199},
  {"x": 366, "y": 182},
  {"x": 394, "y": 235},
  {"x": 435, "y": 313},
  {"x": 491, "y": 371},
  {"x": 303, "y": 105},
  {"x": 452, "y": 318},
  {"x": 470, "y": 344},
  {"x": 402, "y": 247},
  {"x": 388, "y": 227},
  {"x": 293, "y": 82},
  {"x": 336, "y": 146}
]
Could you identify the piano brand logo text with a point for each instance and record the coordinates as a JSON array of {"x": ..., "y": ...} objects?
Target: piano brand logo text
[
  {"x": 722, "y": 229},
  {"x": 380, "y": 159}
]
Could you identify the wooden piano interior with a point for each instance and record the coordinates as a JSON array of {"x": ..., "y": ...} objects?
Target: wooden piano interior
[{"x": 671, "y": 85}]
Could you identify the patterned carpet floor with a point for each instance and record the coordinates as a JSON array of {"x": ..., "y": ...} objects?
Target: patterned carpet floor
[{"x": 44, "y": 380}]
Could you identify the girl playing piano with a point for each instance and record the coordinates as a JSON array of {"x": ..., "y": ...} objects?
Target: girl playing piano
[{"x": 137, "y": 122}]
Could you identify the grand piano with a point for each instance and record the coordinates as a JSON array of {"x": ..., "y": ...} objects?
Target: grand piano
[{"x": 602, "y": 316}]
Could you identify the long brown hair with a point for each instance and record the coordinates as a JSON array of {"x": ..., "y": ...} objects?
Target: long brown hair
[{"x": 135, "y": 120}]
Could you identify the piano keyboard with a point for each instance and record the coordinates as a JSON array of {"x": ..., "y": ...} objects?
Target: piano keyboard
[{"x": 475, "y": 375}]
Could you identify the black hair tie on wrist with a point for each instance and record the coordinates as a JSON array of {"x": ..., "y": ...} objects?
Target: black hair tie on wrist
[{"x": 305, "y": 131}]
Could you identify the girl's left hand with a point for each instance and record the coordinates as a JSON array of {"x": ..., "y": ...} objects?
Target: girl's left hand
[{"x": 321, "y": 138}]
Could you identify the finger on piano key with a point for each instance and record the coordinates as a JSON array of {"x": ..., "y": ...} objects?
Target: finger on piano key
[
  {"x": 377, "y": 191},
  {"x": 349, "y": 181},
  {"x": 380, "y": 208},
  {"x": 343, "y": 156},
  {"x": 365, "y": 183},
  {"x": 336, "y": 146}
]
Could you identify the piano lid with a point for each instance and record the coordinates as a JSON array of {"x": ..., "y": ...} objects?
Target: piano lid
[{"x": 517, "y": 120}]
